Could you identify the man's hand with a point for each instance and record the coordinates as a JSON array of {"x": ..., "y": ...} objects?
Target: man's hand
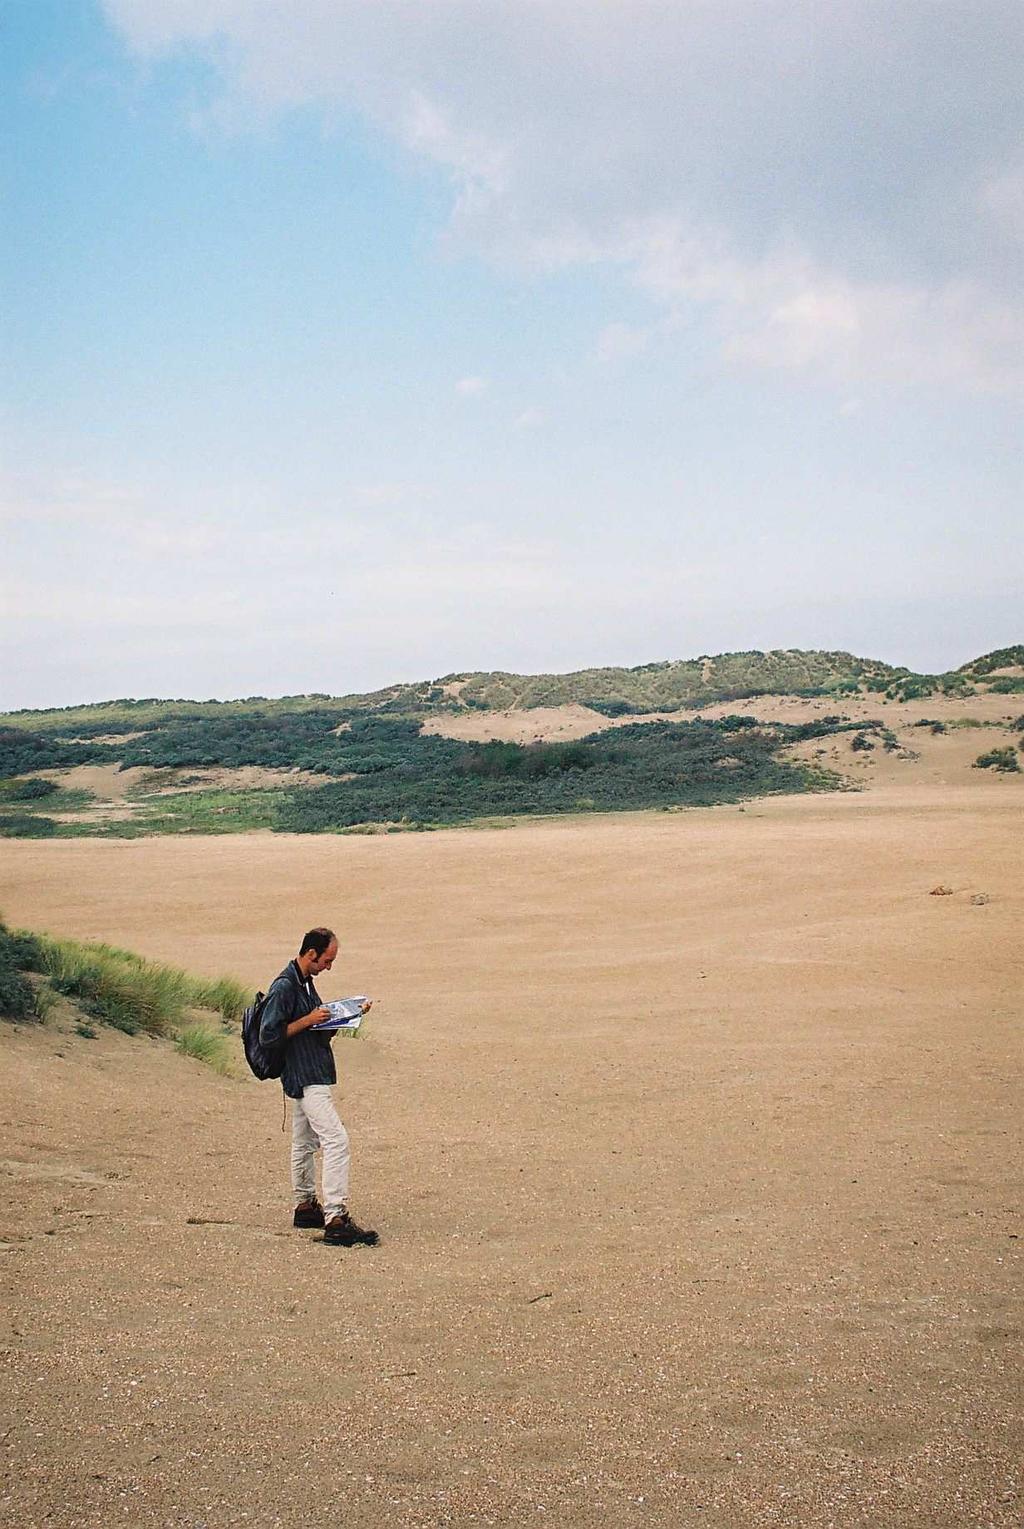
[{"x": 307, "y": 1020}]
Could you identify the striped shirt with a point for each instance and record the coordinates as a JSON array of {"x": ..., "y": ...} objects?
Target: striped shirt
[{"x": 308, "y": 1057}]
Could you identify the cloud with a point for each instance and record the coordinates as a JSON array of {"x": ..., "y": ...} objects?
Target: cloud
[
  {"x": 618, "y": 342},
  {"x": 68, "y": 508},
  {"x": 470, "y": 387},
  {"x": 829, "y": 177},
  {"x": 1002, "y": 197},
  {"x": 788, "y": 312}
]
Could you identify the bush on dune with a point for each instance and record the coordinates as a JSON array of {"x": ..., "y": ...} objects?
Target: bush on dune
[
  {"x": 32, "y": 789},
  {"x": 18, "y": 998},
  {"x": 998, "y": 759},
  {"x": 26, "y": 825}
]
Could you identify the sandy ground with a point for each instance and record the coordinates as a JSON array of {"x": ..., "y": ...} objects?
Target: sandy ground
[
  {"x": 694, "y": 1144},
  {"x": 560, "y": 723}
]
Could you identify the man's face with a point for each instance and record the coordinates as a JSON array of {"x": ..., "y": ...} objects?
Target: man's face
[{"x": 326, "y": 961}]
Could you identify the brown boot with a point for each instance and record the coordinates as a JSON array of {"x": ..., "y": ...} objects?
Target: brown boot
[
  {"x": 343, "y": 1231},
  {"x": 309, "y": 1213}
]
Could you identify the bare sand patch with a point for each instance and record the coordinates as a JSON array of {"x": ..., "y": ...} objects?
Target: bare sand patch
[
  {"x": 532, "y": 725},
  {"x": 123, "y": 794},
  {"x": 694, "y": 1141},
  {"x": 238, "y": 778},
  {"x": 110, "y": 738},
  {"x": 107, "y": 783}
]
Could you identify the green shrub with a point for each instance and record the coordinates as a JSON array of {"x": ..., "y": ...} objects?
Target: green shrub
[
  {"x": 22, "y": 750},
  {"x": 17, "y": 995},
  {"x": 19, "y": 999},
  {"x": 19, "y": 949},
  {"x": 998, "y": 759},
  {"x": 31, "y": 790},
  {"x": 25, "y": 825}
]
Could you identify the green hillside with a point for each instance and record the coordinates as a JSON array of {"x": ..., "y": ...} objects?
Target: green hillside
[
  {"x": 674, "y": 684},
  {"x": 379, "y": 768}
]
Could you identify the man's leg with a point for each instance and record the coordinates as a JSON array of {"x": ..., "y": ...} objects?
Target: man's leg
[
  {"x": 304, "y": 1144},
  {"x": 322, "y": 1119}
]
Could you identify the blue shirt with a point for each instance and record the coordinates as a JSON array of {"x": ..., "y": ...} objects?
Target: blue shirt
[{"x": 308, "y": 1057}]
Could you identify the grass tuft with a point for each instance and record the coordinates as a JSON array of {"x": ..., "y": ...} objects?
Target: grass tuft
[
  {"x": 205, "y": 1045},
  {"x": 225, "y": 996}
]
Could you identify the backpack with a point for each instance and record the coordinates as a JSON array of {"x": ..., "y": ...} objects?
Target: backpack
[{"x": 264, "y": 1061}]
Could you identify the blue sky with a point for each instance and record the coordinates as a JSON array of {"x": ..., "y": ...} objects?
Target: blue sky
[{"x": 351, "y": 341}]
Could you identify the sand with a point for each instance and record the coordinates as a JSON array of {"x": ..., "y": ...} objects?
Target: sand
[{"x": 693, "y": 1140}]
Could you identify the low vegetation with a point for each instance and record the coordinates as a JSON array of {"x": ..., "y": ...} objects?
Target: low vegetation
[
  {"x": 26, "y": 825},
  {"x": 205, "y": 1045},
  {"x": 116, "y": 987},
  {"x": 655, "y": 764},
  {"x": 19, "y": 999},
  {"x": 1005, "y": 760}
]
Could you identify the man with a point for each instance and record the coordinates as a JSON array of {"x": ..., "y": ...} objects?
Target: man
[{"x": 293, "y": 1007}]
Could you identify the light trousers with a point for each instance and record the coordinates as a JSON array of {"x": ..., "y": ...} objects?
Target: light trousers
[{"x": 315, "y": 1124}]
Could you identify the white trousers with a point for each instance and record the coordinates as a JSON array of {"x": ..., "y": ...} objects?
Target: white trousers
[{"x": 315, "y": 1124}]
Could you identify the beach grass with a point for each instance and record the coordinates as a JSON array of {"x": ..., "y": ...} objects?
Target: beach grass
[
  {"x": 205, "y": 1045},
  {"x": 129, "y": 992}
]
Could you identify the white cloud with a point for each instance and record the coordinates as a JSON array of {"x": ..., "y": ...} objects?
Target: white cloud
[
  {"x": 1002, "y": 197},
  {"x": 112, "y": 516},
  {"x": 618, "y": 342},
  {"x": 779, "y": 170},
  {"x": 788, "y": 312},
  {"x": 470, "y": 387}
]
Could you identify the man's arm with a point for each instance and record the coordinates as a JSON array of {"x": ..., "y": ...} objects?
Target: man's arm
[
  {"x": 314, "y": 1017},
  {"x": 277, "y": 1024}
]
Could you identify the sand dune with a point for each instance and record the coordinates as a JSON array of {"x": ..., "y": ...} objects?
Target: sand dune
[
  {"x": 974, "y": 724},
  {"x": 693, "y": 1139}
]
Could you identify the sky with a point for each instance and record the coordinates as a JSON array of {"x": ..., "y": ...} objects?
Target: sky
[{"x": 349, "y": 342}]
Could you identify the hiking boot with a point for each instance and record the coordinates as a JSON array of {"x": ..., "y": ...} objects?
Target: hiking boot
[
  {"x": 309, "y": 1213},
  {"x": 344, "y": 1232}
]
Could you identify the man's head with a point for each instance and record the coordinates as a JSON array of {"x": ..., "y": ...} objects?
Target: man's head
[{"x": 317, "y": 951}]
